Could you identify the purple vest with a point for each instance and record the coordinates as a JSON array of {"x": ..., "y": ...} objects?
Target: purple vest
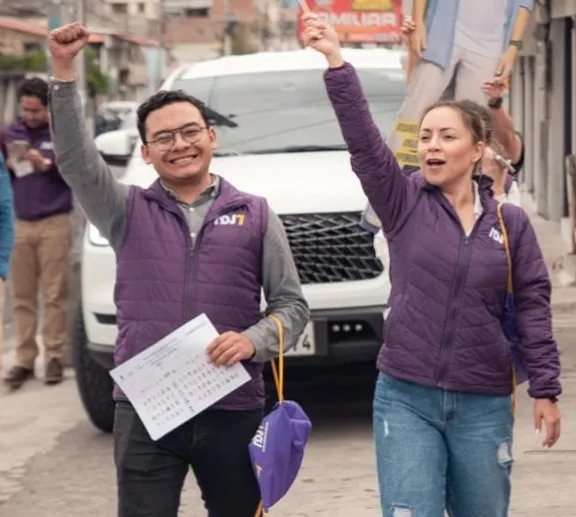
[
  {"x": 161, "y": 282},
  {"x": 42, "y": 194}
]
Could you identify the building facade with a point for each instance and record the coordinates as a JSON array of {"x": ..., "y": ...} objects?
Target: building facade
[{"x": 543, "y": 104}]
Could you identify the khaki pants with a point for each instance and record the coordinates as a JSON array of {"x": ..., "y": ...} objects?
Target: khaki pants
[
  {"x": 427, "y": 85},
  {"x": 41, "y": 259}
]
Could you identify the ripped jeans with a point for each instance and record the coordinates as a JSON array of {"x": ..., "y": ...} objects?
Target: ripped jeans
[{"x": 440, "y": 451}]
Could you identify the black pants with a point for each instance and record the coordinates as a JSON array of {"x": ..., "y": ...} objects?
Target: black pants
[{"x": 214, "y": 445}]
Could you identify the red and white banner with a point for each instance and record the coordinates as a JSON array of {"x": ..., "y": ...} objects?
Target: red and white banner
[{"x": 360, "y": 21}]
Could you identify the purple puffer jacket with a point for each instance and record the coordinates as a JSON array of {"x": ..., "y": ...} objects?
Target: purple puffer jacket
[{"x": 448, "y": 290}]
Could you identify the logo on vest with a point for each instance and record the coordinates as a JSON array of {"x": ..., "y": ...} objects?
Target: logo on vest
[
  {"x": 496, "y": 235},
  {"x": 230, "y": 220}
]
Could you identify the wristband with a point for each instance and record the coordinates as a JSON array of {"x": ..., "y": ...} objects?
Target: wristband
[{"x": 496, "y": 104}]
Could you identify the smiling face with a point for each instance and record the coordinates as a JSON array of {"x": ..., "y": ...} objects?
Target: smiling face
[
  {"x": 448, "y": 147},
  {"x": 178, "y": 143}
]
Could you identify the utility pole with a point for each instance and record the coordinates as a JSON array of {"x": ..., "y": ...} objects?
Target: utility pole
[
  {"x": 81, "y": 17},
  {"x": 55, "y": 11},
  {"x": 228, "y": 28}
]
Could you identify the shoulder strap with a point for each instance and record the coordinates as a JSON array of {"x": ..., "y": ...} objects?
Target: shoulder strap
[
  {"x": 506, "y": 242},
  {"x": 278, "y": 372}
]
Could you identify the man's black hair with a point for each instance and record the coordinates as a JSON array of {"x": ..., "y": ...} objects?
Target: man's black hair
[
  {"x": 164, "y": 98},
  {"x": 34, "y": 87}
]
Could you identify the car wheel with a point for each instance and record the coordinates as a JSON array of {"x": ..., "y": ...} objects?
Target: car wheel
[{"x": 94, "y": 382}]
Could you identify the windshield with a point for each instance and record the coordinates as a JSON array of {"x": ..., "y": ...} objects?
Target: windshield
[{"x": 288, "y": 111}]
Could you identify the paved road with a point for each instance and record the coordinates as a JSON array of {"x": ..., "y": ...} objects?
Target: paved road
[{"x": 51, "y": 458}]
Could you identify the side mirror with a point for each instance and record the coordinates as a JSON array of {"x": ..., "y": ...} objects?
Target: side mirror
[{"x": 115, "y": 146}]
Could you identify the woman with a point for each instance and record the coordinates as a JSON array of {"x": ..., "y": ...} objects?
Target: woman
[
  {"x": 494, "y": 164},
  {"x": 442, "y": 406}
]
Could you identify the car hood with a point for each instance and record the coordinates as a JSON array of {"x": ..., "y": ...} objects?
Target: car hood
[{"x": 292, "y": 183}]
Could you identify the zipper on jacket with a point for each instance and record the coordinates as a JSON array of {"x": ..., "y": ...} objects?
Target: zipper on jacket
[
  {"x": 454, "y": 302},
  {"x": 191, "y": 265}
]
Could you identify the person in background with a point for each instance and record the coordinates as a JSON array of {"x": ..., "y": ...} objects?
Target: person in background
[
  {"x": 6, "y": 240},
  {"x": 502, "y": 133},
  {"x": 499, "y": 167},
  {"x": 443, "y": 413},
  {"x": 503, "y": 128},
  {"x": 496, "y": 163},
  {"x": 189, "y": 244},
  {"x": 43, "y": 205}
]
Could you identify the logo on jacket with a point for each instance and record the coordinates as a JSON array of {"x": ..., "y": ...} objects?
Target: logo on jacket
[
  {"x": 496, "y": 235},
  {"x": 230, "y": 220}
]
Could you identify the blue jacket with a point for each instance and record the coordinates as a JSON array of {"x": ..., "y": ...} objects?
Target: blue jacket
[
  {"x": 6, "y": 219},
  {"x": 440, "y": 23}
]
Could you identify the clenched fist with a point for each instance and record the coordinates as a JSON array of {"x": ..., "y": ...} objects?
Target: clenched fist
[{"x": 66, "y": 41}]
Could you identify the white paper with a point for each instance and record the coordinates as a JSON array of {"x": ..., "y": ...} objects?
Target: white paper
[
  {"x": 17, "y": 150},
  {"x": 172, "y": 381},
  {"x": 22, "y": 168}
]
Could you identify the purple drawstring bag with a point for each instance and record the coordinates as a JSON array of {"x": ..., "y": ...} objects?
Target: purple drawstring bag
[{"x": 277, "y": 448}]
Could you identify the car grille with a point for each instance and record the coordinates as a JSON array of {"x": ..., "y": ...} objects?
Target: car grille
[{"x": 330, "y": 248}]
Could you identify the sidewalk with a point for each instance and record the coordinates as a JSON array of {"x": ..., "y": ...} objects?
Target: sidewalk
[
  {"x": 561, "y": 265},
  {"x": 544, "y": 480}
]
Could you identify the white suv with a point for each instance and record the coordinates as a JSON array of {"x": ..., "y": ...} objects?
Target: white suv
[{"x": 278, "y": 138}]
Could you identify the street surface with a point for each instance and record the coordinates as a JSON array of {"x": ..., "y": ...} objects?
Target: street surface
[
  {"x": 53, "y": 463},
  {"x": 51, "y": 458}
]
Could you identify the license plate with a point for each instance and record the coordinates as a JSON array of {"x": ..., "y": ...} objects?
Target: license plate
[{"x": 306, "y": 344}]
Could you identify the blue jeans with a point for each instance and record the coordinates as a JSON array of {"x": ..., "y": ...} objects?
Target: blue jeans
[{"x": 440, "y": 450}]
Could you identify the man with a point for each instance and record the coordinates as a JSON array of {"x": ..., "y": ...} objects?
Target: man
[
  {"x": 176, "y": 259},
  {"x": 43, "y": 205},
  {"x": 6, "y": 239}
]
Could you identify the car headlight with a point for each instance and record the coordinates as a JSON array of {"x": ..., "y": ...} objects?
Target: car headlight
[{"x": 95, "y": 237}]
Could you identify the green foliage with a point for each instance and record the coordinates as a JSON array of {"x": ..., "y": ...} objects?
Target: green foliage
[
  {"x": 36, "y": 61},
  {"x": 241, "y": 44},
  {"x": 239, "y": 40},
  {"x": 96, "y": 80},
  {"x": 32, "y": 61}
]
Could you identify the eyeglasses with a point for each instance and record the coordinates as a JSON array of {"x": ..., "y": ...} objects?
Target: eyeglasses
[{"x": 165, "y": 140}]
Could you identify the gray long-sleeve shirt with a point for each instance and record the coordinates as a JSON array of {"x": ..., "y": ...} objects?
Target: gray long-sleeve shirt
[{"x": 104, "y": 201}]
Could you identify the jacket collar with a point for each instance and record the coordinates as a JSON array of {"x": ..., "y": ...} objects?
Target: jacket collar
[{"x": 226, "y": 195}]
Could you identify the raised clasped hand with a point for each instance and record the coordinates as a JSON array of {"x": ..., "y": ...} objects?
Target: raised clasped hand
[{"x": 320, "y": 36}]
